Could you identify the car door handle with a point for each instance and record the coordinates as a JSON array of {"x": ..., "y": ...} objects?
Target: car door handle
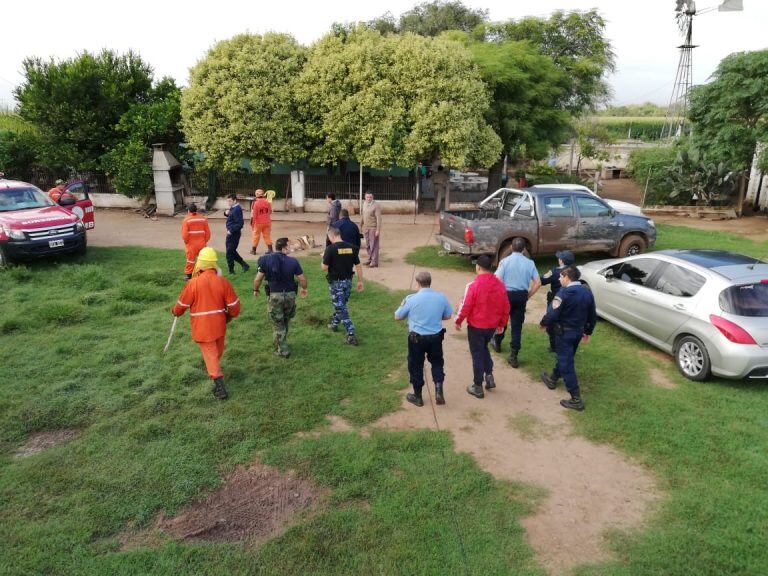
[
  {"x": 550, "y": 224},
  {"x": 584, "y": 222},
  {"x": 678, "y": 306},
  {"x": 632, "y": 291}
]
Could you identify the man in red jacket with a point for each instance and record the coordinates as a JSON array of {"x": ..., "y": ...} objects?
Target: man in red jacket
[
  {"x": 261, "y": 221},
  {"x": 486, "y": 309},
  {"x": 212, "y": 303}
]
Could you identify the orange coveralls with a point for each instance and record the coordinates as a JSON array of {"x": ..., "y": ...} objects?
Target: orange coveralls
[
  {"x": 261, "y": 221},
  {"x": 195, "y": 233},
  {"x": 211, "y": 301}
]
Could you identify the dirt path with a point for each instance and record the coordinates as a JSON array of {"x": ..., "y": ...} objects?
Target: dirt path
[{"x": 518, "y": 432}]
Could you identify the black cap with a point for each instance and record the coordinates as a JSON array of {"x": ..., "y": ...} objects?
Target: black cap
[
  {"x": 566, "y": 256},
  {"x": 484, "y": 261}
]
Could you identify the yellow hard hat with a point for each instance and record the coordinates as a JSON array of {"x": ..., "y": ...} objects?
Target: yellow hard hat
[
  {"x": 207, "y": 258},
  {"x": 271, "y": 195}
]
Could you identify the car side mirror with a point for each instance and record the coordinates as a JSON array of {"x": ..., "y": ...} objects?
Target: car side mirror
[{"x": 609, "y": 275}]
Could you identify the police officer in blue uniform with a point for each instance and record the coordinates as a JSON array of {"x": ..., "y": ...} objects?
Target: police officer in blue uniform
[
  {"x": 552, "y": 279},
  {"x": 572, "y": 317},
  {"x": 425, "y": 312}
]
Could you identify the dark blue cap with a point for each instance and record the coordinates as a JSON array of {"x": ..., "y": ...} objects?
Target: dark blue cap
[{"x": 566, "y": 256}]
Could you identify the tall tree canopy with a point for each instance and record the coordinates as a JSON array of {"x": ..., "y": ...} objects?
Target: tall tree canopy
[
  {"x": 240, "y": 102},
  {"x": 576, "y": 43},
  {"x": 730, "y": 113},
  {"x": 431, "y": 19},
  {"x": 76, "y": 103},
  {"x": 387, "y": 100}
]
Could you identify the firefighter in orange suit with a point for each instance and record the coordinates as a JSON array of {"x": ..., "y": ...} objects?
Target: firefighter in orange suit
[
  {"x": 212, "y": 303},
  {"x": 261, "y": 221},
  {"x": 195, "y": 233}
]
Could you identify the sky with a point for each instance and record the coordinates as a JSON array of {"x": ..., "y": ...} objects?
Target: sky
[{"x": 173, "y": 35}]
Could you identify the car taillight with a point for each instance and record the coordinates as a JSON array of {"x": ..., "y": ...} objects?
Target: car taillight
[
  {"x": 469, "y": 235},
  {"x": 731, "y": 330}
]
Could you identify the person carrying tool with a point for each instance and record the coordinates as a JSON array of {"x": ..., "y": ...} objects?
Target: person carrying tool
[
  {"x": 195, "y": 233},
  {"x": 212, "y": 303},
  {"x": 261, "y": 221}
]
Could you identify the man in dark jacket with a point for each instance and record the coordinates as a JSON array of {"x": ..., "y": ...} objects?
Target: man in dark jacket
[
  {"x": 565, "y": 258},
  {"x": 334, "y": 209},
  {"x": 234, "y": 228},
  {"x": 350, "y": 233}
]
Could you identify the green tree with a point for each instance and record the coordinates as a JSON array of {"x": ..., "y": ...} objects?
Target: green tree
[
  {"x": 592, "y": 138},
  {"x": 240, "y": 102},
  {"x": 576, "y": 43},
  {"x": 387, "y": 100},
  {"x": 730, "y": 113},
  {"x": 77, "y": 103},
  {"x": 432, "y": 18},
  {"x": 129, "y": 163}
]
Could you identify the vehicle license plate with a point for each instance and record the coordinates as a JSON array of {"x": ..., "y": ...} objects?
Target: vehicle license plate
[
  {"x": 447, "y": 246},
  {"x": 55, "y": 243}
]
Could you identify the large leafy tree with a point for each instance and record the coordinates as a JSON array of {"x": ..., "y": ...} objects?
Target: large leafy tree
[
  {"x": 387, "y": 100},
  {"x": 240, "y": 102},
  {"x": 575, "y": 41},
  {"x": 431, "y": 19},
  {"x": 730, "y": 113},
  {"x": 76, "y": 103}
]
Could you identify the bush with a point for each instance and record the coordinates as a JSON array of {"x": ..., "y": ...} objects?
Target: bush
[{"x": 653, "y": 165}]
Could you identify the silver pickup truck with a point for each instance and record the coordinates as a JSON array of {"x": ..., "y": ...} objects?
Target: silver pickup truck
[{"x": 548, "y": 220}]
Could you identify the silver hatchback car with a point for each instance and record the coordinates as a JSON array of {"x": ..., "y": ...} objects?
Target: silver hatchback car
[{"x": 707, "y": 308}]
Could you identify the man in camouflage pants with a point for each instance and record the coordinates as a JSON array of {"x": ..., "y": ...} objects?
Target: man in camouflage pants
[
  {"x": 284, "y": 275},
  {"x": 341, "y": 261}
]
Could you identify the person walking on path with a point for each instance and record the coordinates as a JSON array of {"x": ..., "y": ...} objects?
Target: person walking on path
[
  {"x": 486, "y": 309},
  {"x": 565, "y": 258},
  {"x": 234, "y": 228},
  {"x": 261, "y": 221},
  {"x": 425, "y": 311},
  {"x": 350, "y": 233},
  {"x": 284, "y": 275},
  {"x": 212, "y": 303},
  {"x": 196, "y": 234},
  {"x": 572, "y": 317},
  {"x": 334, "y": 211},
  {"x": 521, "y": 279},
  {"x": 371, "y": 225},
  {"x": 341, "y": 261}
]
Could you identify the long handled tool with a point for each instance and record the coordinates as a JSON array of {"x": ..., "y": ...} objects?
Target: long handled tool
[{"x": 170, "y": 336}]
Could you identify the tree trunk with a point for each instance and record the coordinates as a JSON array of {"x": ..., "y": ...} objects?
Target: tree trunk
[{"x": 494, "y": 176}]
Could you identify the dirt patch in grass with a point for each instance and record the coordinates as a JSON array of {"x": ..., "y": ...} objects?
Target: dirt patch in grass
[
  {"x": 254, "y": 504},
  {"x": 40, "y": 441},
  {"x": 658, "y": 375}
]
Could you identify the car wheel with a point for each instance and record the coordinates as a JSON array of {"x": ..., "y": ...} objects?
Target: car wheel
[
  {"x": 506, "y": 250},
  {"x": 632, "y": 245},
  {"x": 3, "y": 258},
  {"x": 82, "y": 249},
  {"x": 692, "y": 358}
]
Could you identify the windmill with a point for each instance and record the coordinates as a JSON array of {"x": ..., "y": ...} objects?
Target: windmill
[{"x": 677, "y": 110}]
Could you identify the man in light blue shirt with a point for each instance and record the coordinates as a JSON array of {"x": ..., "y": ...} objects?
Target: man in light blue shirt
[
  {"x": 425, "y": 312},
  {"x": 521, "y": 279}
]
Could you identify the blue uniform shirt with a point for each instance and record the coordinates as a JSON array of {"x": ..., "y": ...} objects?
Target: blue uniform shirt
[
  {"x": 235, "y": 218},
  {"x": 349, "y": 231},
  {"x": 425, "y": 311},
  {"x": 553, "y": 279},
  {"x": 517, "y": 271},
  {"x": 280, "y": 270},
  {"x": 573, "y": 308}
]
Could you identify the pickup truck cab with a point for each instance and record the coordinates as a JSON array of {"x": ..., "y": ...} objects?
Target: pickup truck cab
[
  {"x": 548, "y": 220},
  {"x": 32, "y": 225}
]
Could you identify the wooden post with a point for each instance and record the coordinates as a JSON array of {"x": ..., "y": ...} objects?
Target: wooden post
[{"x": 742, "y": 189}]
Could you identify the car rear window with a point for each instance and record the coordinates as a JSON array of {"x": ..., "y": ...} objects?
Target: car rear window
[{"x": 745, "y": 300}]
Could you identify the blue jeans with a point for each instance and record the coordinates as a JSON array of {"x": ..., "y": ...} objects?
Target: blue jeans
[
  {"x": 432, "y": 347},
  {"x": 340, "y": 291},
  {"x": 482, "y": 363},
  {"x": 566, "y": 345},
  {"x": 517, "y": 301}
]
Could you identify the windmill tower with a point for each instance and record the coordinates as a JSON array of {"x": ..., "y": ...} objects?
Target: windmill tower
[{"x": 677, "y": 110}]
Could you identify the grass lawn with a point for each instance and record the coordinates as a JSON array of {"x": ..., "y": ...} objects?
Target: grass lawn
[{"x": 81, "y": 348}]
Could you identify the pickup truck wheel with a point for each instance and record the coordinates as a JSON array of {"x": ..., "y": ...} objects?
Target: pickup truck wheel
[
  {"x": 506, "y": 250},
  {"x": 632, "y": 245}
]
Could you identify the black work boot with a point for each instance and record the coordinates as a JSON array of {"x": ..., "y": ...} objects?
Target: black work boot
[
  {"x": 269, "y": 248},
  {"x": 439, "y": 398},
  {"x": 218, "y": 388},
  {"x": 253, "y": 250},
  {"x": 513, "y": 359},
  {"x": 245, "y": 268},
  {"x": 549, "y": 380},
  {"x": 352, "y": 340},
  {"x": 489, "y": 382},
  {"x": 573, "y": 403},
  {"x": 415, "y": 399},
  {"x": 476, "y": 390}
]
